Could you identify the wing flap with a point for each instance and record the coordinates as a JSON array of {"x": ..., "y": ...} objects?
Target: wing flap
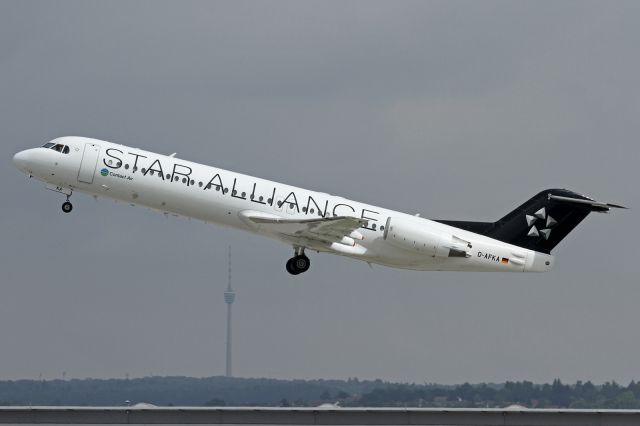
[{"x": 330, "y": 232}]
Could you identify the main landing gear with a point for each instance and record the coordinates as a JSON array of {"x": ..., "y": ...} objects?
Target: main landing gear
[
  {"x": 67, "y": 206},
  {"x": 299, "y": 263}
]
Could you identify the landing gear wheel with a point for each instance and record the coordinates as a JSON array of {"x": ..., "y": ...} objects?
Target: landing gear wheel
[
  {"x": 301, "y": 263},
  {"x": 289, "y": 267},
  {"x": 298, "y": 264},
  {"x": 67, "y": 207}
]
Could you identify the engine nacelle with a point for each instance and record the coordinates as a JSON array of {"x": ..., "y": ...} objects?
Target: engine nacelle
[{"x": 410, "y": 237}]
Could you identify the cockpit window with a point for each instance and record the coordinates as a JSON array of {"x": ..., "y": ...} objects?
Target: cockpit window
[{"x": 64, "y": 149}]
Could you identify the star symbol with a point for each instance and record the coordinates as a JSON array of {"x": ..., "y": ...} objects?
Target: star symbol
[{"x": 548, "y": 223}]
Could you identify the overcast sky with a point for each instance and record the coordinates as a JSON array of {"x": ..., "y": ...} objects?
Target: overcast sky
[{"x": 455, "y": 110}]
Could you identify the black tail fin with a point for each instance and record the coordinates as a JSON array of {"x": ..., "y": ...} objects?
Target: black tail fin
[{"x": 540, "y": 223}]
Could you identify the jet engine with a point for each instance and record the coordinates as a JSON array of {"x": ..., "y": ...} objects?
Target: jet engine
[{"x": 409, "y": 236}]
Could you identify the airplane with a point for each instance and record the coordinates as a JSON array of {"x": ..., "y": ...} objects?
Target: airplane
[{"x": 521, "y": 241}]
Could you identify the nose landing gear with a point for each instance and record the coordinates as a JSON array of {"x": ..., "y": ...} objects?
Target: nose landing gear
[
  {"x": 299, "y": 263},
  {"x": 67, "y": 206}
]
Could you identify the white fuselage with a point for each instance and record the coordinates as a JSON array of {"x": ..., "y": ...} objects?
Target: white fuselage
[{"x": 179, "y": 187}]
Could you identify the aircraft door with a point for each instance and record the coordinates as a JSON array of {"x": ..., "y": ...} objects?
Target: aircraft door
[{"x": 89, "y": 163}]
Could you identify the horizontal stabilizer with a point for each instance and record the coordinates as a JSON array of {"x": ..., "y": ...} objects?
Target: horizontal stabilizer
[{"x": 593, "y": 203}]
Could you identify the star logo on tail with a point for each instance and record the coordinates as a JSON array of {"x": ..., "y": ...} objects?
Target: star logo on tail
[{"x": 547, "y": 222}]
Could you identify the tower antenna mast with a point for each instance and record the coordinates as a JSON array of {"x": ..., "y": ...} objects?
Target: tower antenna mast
[{"x": 229, "y": 298}]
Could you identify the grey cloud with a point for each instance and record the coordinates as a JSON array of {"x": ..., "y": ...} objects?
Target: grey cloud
[{"x": 451, "y": 109}]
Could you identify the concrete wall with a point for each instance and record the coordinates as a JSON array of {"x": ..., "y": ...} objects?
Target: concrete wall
[{"x": 317, "y": 416}]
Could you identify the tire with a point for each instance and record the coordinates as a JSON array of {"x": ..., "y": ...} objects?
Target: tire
[
  {"x": 290, "y": 267},
  {"x": 67, "y": 207}
]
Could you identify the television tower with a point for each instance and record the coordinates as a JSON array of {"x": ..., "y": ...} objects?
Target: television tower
[{"x": 229, "y": 297}]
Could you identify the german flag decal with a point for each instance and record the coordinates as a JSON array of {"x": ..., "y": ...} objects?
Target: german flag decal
[{"x": 504, "y": 261}]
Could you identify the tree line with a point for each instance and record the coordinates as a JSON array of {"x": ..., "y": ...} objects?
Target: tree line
[
  {"x": 555, "y": 395},
  {"x": 225, "y": 391}
]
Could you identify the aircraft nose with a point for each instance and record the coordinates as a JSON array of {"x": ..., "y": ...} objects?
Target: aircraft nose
[{"x": 21, "y": 159}]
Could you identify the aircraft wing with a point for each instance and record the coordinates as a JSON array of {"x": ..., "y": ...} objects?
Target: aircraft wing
[{"x": 331, "y": 232}]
